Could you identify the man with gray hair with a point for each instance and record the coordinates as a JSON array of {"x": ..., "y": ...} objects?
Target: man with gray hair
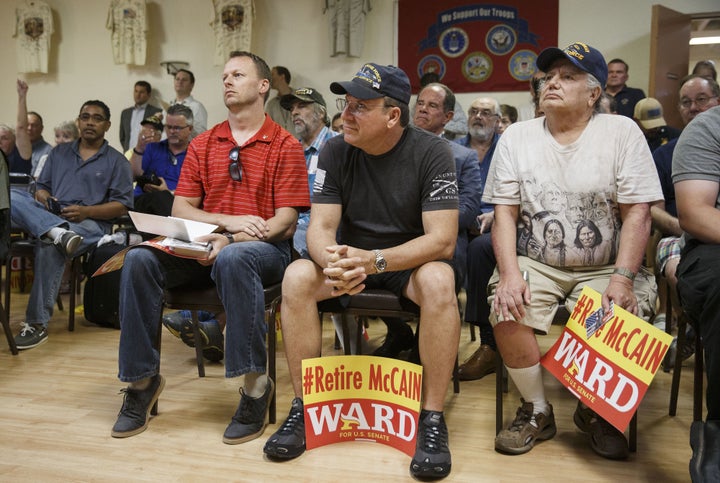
[
  {"x": 483, "y": 118},
  {"x": 573, "y": 151},
  {"x": 310, "y": 124}
]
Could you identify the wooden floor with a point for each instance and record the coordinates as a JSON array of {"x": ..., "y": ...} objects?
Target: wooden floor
[{"x": 59, "y": 401}]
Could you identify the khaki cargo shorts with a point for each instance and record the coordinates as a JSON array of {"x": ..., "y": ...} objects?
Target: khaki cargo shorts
[{"x": 551, "y": 286}]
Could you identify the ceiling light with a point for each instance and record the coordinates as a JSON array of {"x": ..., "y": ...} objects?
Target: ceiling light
[{"x": 704, "y": 40}]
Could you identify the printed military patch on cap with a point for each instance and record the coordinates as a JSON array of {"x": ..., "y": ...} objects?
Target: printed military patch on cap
[{"x": 370, "y": 74}]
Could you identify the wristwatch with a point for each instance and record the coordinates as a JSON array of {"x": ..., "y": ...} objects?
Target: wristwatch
[
  {"x": 230, "y": 237},
  {"x": 380, "y": 263},
  {"x": 625, "y": 272}
]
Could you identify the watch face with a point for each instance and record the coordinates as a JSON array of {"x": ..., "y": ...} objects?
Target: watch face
[{"x": 380, "y": 264}]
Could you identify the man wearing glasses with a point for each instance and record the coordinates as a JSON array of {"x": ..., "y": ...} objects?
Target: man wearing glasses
[
  {"x": 84, "y": 184},
  {"x": 247, "y": 175},
  {"x": 308, "y": 114},
  {"x": 163, "y": 160},
  {"x": 390, "y": 190},
  {"x": 483, "y": 119}
]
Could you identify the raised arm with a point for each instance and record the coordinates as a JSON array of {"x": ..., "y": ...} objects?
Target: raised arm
[{"x": 22, "y": 137}]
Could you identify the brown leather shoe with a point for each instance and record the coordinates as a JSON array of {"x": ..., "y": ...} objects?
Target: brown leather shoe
[{"x": 478, "y": 365}]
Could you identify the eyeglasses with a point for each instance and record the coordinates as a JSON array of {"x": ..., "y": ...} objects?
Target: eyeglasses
[
  {"x": 235, "y": 168},
  {"x": 95, "y": 117},
  {"x": 484, "y": 113},
  {"x": 699, "y": 101},
  {"x": 175, "y": 128},
  {"x": 355, "y": 108}
]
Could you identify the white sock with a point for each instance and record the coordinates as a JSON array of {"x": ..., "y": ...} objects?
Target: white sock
[
  {"x": 255, "y": 384},
  {"x": 530, "y": 384},
  {"x": 55, "y": 233}
]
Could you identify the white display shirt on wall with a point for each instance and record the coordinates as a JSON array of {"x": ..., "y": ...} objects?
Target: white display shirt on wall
[
  {"x": 232, "y": 24},
  {"x": 127, "y": 19},
  {"x": 347, "y": 26},
  {"x": 33, "y": 28}
]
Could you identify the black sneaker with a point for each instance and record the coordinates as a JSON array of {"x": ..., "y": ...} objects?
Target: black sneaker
[
  {"x": 396, "y": 341},
  {"x": 212, "y": 336},
  {"x": 68, "y": 242},
  {"x": 605, "y": 439},
  {"x": 432, "y": 453},
  {"x": 249, "y": 420},
  {"x": 31, "y": 336},
  {"x": 135, "y": 412},
  {"x": 289, "y": 440}
]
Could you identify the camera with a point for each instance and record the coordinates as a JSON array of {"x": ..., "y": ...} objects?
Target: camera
[
  {"x": 148, "y": 179},
  {"x": 54, "y": 206}
]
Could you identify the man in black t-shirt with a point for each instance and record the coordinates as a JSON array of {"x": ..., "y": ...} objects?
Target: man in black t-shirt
[{"x": 392, "y": 193}]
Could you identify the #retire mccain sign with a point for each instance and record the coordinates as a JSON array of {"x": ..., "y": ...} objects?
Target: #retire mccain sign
[
  {"x": 361, "y": 398},
  {"x": 607, "y": 360}
]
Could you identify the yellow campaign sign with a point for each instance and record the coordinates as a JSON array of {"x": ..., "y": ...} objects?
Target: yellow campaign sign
[
  {"x": 361, "y": 398},
  {"x": 607, "y": 359},
  {"x": 627, "y": 340},
  {"x": 340, "y": 377}
]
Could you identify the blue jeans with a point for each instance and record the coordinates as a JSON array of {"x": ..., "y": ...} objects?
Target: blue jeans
[
  {"x": 300, "y": 237},
  {"x": 240, "y": 271},
  {"x": 32, "y": 217}
]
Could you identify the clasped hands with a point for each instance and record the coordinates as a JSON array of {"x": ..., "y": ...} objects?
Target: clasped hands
[{"x": 346, "y": 269}]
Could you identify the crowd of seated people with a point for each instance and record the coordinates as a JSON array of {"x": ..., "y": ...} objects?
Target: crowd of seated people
[{"x": 504, "y": 220}]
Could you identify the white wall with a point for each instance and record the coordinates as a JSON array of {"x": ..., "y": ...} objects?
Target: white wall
[{"x": 292, "y": 33}]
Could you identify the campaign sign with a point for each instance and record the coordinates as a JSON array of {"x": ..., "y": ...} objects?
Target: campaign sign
[
  {"x": 361, "y": 398},
  {"x": 610, "y": 369}
]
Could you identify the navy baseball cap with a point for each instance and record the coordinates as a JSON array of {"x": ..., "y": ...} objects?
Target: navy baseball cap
[
  {"x": 584, "y": 57},
  {"x": 374, "y": 81}
]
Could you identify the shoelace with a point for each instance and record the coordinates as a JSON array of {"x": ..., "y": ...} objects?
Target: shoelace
[
  {"x": 244, "y": 413},
  {"x": 434, "y": 439},
  {"x": 27, "y": 329},
  {"x": 293, "y": 422},
  {"x": 522, "y": 417},
  {"x": 131, "y": 406}
]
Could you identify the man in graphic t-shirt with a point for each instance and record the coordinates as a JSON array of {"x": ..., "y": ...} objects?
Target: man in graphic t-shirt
[{"x": 581, "y": 182}]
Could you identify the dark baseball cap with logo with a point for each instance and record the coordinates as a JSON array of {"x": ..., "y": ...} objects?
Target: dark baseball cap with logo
[
  {"x": 304, "y": 94},
  {"x": 373, "y": 81},
  {"x": 584, "y": 57}
]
